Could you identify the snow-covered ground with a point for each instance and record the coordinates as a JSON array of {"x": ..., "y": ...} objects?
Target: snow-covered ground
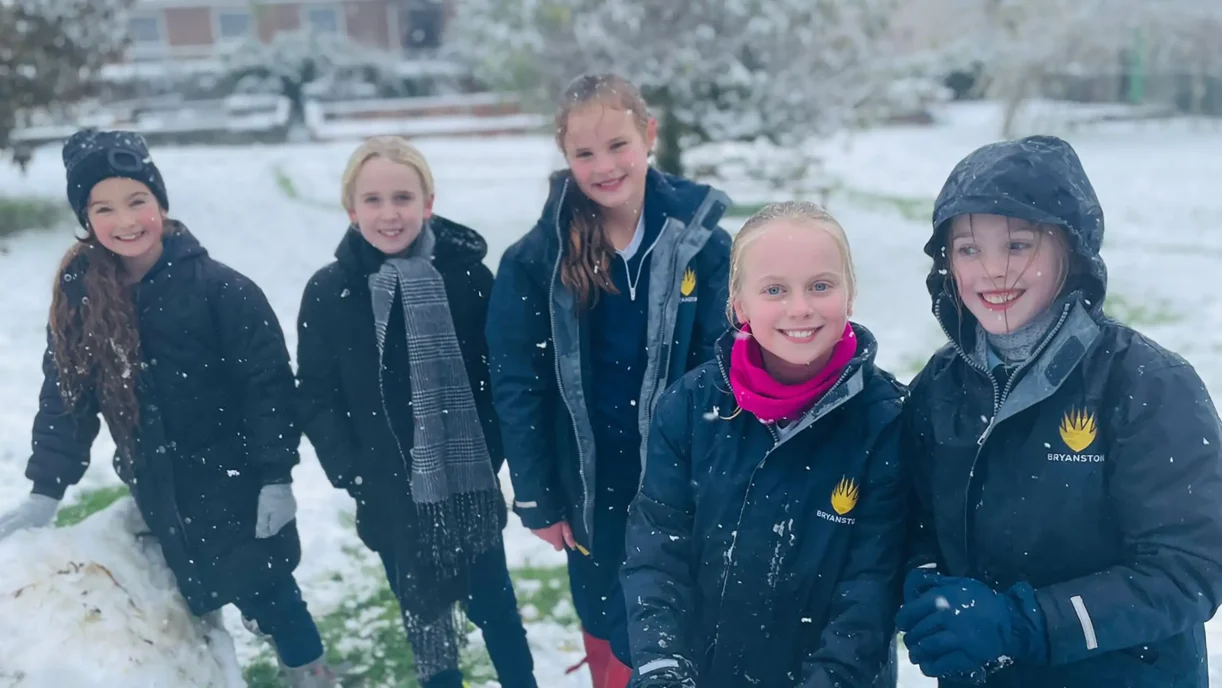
[{"x": 1164, "y": 251}]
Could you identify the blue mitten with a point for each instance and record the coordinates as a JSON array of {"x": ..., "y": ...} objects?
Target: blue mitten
[{"x": 963, "y": 628}]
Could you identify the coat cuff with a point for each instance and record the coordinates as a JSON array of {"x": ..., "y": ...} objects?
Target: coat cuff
[
  {"x": 536, "y": 515},
  {"x": 278, "y": 476},
  {"x": 1069, "y": 626},
  {"x": 51, "y": 489}
]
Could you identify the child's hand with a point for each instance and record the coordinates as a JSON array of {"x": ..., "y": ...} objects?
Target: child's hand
[
  {"x": 558, "y": 535},
  {"x": 277, "y": 508}
]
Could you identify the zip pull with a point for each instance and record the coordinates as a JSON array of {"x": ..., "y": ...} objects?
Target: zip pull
[{"x": 987, "y": 430}]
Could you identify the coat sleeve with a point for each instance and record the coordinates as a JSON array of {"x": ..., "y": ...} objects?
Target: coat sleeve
[
  {"x": 257, "y": 362},
  {"x": 922, "y": 542},
  {"x": 524, "y": 391},
  {"x": 62, "y": 436},
  {"x": 855, "y": 646},
  {"x": 711, "y": 320},
  {"x": 474, "y": 344},
  {"x": 322, "y": 410},
  {"x": 1165, "y": 487},
  {"x": 657, "y": 576}
]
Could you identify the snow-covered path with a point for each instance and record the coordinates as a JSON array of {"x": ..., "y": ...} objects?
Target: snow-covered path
[{"x": 1164, "y": 246}]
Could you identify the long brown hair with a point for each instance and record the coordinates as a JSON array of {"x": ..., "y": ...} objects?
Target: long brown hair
[
  {"x": 586, "y": 266},
  {"x": 95, "y": 342}
]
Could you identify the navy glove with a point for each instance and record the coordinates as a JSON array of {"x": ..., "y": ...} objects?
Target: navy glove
[
  {"x": 920, "y": 580},
  {"x": 963, "y": 629}
]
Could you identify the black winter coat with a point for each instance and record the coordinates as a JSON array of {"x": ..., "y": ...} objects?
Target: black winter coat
[
  {"x": 1095, "y": 474},
  {"x": 754, "y": 561},
  {"x": 359, "y": 418},
  {"x": 216, "y": 425}
]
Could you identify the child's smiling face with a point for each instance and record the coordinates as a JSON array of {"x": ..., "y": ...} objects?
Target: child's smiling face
[{"x": 1006, "y": 271}]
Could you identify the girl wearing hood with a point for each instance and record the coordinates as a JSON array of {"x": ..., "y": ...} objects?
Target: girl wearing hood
[
  {"x": 1067, "y": 469},
  {"x": 393, "y": 385},
  {"x": 615, "y": 293}
]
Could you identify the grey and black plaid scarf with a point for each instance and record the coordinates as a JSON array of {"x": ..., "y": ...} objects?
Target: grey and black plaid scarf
[{"x": 452, "y": 482}]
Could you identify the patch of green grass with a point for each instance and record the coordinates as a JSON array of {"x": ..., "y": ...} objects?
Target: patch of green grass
[
  {"x": 365, "y": 636},
  {"x": 285, "y": 182},
  {"x": 744, "y": 210},
  {"x": 18, "y": 214},
  {"x": 90, "y": 502},
  {"x": 911, "y": 208},
  {"x": 543, "y": 593},
  {"x": 1136, "y": 314}
]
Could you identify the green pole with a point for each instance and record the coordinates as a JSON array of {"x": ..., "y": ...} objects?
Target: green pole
[{"x": 1138, "y": 68}]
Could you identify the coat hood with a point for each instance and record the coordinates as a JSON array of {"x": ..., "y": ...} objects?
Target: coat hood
[{"x": 1039, "y": 179}]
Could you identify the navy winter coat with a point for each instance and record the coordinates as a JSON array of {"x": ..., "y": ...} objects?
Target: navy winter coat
[
  {"x": 754, "y": 561},
  {"x": 1094, "y": 475},
  {"x": 216, "y": 425},
  {"x": 538, "y": 343}
]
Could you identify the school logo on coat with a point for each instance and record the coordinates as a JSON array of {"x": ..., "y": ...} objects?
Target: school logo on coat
[
  {"x": 844, "y": 499},
  {"x": 1078, "y": 431},
  {"x": 688, "y": 286}
]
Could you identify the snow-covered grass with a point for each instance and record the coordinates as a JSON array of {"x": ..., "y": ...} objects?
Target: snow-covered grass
[
  {"x": 21, "y": 213},
  {"x": 1155, "y": 181},
  {"x": 95, "y": 605}
]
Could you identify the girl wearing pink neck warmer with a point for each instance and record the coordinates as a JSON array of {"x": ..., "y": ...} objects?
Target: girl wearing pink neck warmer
[{"x": 766, "y": 544}]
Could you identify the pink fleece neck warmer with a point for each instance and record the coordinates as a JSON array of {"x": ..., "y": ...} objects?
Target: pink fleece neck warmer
[{"x": 770, "y": 401}]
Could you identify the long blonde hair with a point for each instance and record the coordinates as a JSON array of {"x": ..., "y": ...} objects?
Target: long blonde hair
[
  {"x": 798, "y": 212},
  {"x": 586, "y": 266},
  {"x": 393, "y": 148}
]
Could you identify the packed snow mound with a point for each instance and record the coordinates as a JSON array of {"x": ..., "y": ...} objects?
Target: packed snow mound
[{"x": 96, "y": 605}]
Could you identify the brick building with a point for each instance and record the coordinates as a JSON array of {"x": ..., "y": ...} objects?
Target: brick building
[{"x": 194, "y": 29}]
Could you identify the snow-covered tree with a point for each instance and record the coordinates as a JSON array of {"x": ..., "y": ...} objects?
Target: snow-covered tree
[
  {"x": 1016, "y": 43},
  {"x": 294, "y": 61},
  {"x": 50, "y": 51},
  {"x": 716, "y": 69}
]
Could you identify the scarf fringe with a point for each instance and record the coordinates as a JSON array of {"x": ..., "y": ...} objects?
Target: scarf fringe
[
  {"x": 436, "y": 643},
  {"x": 459, "y": 529}
]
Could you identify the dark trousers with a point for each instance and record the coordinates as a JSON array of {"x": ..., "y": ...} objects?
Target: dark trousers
[
  {"x": 281, "y": 613},
  {"x": 594, "y": 580},
  {"x": 493, "y": 607}
]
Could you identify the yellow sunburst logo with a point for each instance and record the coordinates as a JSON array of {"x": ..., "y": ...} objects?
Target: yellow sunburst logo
[
  {"x": 1078, "y": 429},
  {"x": 844, "y": 497},
  {"x": 689, "y": 283}
]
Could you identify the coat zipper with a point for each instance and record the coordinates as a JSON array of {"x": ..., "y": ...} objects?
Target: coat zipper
[
  {"x": 386, "y": 414},
  {"x": 640, "y": 268},
  {"x": 663, "y": 365},
  {"x": 776, "y": 443},
  {"x": 999, "y": 398},
  {"x": 551, "y": 312}
]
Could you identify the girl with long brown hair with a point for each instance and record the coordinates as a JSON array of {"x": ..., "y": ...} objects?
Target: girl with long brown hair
[
  {"x": 615, "y": 293},
  {"x": 185, "y": 360}
]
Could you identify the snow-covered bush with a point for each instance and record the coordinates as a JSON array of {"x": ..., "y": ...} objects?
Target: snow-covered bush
[
  {"x": 95, "y": 605},
  {"x": 735, "y": 70}
]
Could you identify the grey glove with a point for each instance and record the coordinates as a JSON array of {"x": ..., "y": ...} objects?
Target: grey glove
[
  {"x": 36, "y": 511},
  {"x": 277, "y": 507}
]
